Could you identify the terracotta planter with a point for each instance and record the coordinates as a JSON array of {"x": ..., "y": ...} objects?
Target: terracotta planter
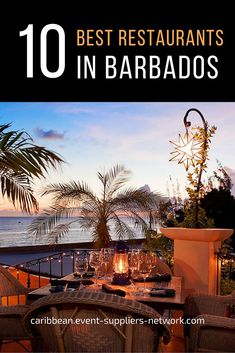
[
  {"x": 194, "y": 256},
  {"x": 194, "y": 234}
]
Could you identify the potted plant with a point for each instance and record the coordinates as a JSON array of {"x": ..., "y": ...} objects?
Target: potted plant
[{"x": 192, "y": 151}]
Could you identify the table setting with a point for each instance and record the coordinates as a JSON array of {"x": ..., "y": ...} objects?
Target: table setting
[
  {"x": 131, "y": 273},
  {"x": 122, "y": 272}
]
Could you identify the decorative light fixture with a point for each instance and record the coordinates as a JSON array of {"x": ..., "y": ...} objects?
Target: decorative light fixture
[
  {"x": 189, "y": 149},
  {"x": 121, "y": 264}
]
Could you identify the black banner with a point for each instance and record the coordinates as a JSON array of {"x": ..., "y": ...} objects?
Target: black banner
[{"x": 107, "y": 54}]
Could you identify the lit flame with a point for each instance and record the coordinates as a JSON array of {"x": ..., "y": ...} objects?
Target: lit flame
[
  {"x": 120, "y": 263},
  {"x": 120, "y": 266}
]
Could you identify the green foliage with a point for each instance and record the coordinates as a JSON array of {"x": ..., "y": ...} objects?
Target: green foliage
[
  {"x": 226, "y": 286},
  {"x": 196, "y": 189},
  {"x": 21, "y": 161},
  {"x": 202, "y": 222},
  {"x": 157, "y": 242},
  {"x": 218, "y": 201},
  {"x": 220, "y": 179},
  {"x": 190, "y": 214},
  {"x": 226, "y": 246},
  {"x": 171, "y": 220},
  {"x": 219, "y": 204}
]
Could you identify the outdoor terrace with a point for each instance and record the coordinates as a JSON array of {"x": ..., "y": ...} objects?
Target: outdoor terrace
[{"x": 39, "y": 283}]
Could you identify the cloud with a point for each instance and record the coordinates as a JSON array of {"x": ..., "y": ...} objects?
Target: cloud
[{"x": 49, "y": 134}]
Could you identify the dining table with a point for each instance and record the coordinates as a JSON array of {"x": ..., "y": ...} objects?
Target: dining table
[{"x": 135, "y": 291}]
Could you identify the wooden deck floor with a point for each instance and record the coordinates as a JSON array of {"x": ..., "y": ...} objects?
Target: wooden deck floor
[{"x": 176, "y": 344}]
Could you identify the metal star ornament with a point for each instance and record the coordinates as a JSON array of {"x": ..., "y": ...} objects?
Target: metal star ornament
[{"x": 188, "y": 150}]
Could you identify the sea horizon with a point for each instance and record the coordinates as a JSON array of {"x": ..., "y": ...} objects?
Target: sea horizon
[{"x": 13, "y": 233}]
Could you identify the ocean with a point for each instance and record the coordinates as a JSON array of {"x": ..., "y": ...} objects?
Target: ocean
[{"x": 13, "y": 232}]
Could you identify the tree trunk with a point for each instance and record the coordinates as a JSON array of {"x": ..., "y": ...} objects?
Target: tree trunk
[{"x": 103, "y": 238}]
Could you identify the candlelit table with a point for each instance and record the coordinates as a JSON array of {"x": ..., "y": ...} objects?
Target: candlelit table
[{"x": 159, "y": 303}]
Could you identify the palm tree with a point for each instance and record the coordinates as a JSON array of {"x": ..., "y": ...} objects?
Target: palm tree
[
  {"x": 96, "y": 213},
  {"x": 20, "y": 162}
]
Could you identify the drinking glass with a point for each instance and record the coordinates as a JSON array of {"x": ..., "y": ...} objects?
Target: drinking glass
[
  {"x": 94, "y": 261},
  {"x": 81, "y": 267},
  {"x": 133, "y": 265},
  {"x": 145, "y": 267},
  {"x": 106, "y": 255},
  {"x": 133, "y": 262},
  {"x": 153, "y": 258}
]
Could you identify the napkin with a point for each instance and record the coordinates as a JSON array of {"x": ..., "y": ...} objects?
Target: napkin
[
  {"x": 108, "y": 289},
  {"x": 162, "y": 292}
]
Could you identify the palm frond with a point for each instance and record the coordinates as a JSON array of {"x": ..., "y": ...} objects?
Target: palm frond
[
  {"x": 73, "y": 191},
  {"x": 90, "y": 209},
  {"x": 136, "y": 199},
  {"x": 58, "y": 232},
  {"x": 46, "y": 222},
  {"x": 87, "y": 223},
  {"x": 122, "y": 229},
  {"x": 21, "y": 155},
  {"x": 113, "y": 180},
  {"x": 97, "y": 214},
  {"x": 4, "y": 127},
  {"x": 20, "y": 161},
  {"x": 13, "y": 139},
  {"x": 138, "y": 221},
  {"x": 17, "y": 189}
]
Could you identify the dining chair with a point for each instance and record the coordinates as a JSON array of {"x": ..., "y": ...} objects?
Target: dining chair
[
  {"x": 11, "y": 324},
  {"x": 89, "y": 321},
  {"x": 214, "y": 332}
]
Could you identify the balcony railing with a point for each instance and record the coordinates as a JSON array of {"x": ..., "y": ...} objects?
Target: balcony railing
[{"x": 54, "y": 266}]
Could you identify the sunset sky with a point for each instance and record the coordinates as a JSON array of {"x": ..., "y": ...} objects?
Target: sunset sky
[{"x": 91, "y": 136}]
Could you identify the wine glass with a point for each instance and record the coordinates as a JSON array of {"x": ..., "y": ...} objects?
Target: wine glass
[
  {"x": 133, "y": 265},
  {"x": 81, "y": 267},
  {"x": 153, "y": 258},
  {"x": 145, "y": 267},
  {"x": 94, "y": 261},
  {"x": 105, "y": 259}
]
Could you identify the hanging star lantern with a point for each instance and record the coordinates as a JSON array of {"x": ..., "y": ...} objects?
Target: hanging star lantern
[{"x": 188, "y": 150}]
